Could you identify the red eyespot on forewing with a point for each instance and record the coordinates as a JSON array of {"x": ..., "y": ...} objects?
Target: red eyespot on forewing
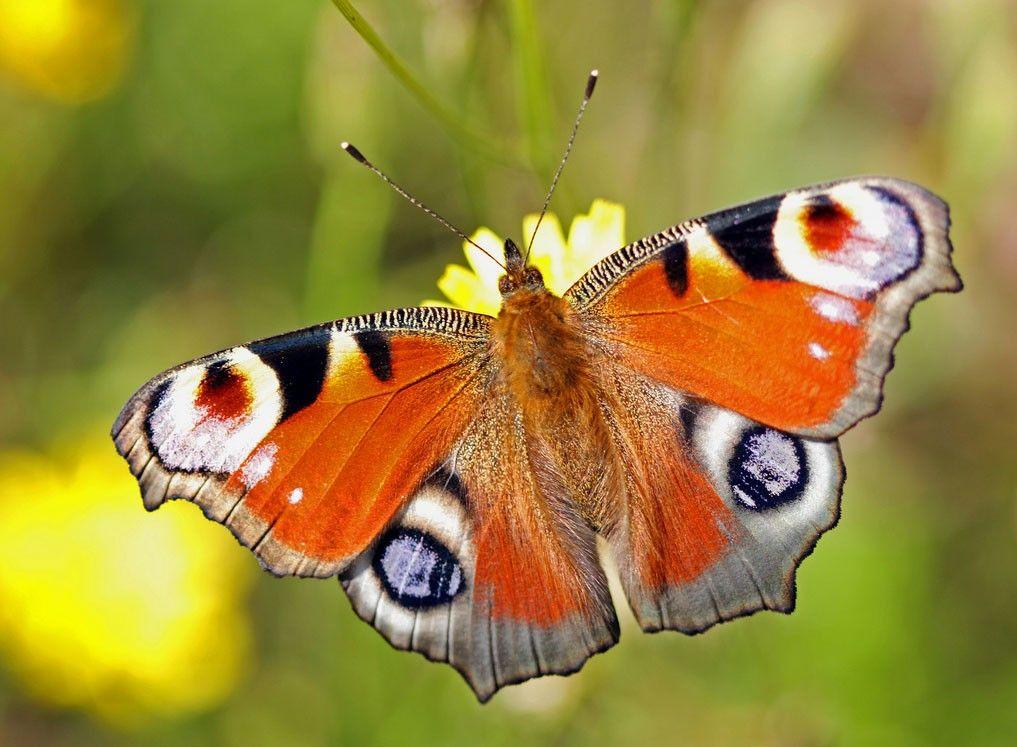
[
  {"x": 223, "y": 393},
  {"x": 827, "y": 225}
]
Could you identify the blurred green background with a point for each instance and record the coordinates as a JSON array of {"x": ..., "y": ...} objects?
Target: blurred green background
[{"x": 171, "y": 184}]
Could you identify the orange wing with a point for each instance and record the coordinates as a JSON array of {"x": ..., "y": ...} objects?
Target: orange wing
[
  {"x": 306, "y": 445},
  {"x": 785, "y": 310},
  {"x": 718, "y": 510},
  {"x": 488, "y": 568},
  {"x": 360, "y": 448}
]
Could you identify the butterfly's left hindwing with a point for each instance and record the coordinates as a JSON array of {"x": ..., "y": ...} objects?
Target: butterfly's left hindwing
[
  {"x": 488, "y": 568},
  {"x": 306, "y": 445},
  {"x": 785, "y": 309}
]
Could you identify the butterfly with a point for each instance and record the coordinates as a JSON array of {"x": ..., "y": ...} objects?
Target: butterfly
[{"x": 682, "y": 401}]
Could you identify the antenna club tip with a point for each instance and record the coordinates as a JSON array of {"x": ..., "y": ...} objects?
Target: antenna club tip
[
  {"x": 591, "y": 82},
  {"x": 352, "y": 150}
]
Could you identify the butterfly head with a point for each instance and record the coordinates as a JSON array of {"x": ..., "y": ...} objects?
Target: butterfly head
[{"x": 518, "y": 275}]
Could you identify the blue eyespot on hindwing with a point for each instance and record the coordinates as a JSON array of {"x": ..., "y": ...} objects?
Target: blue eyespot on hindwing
[
  {"x": 768, "y": 468},
  {"x": 415, "y": 569}
]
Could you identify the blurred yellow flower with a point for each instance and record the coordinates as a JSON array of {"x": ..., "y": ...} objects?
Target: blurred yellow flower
[
  {"x": 591, "y": 238},
  {"x": 69, "y": 50},
  {"x": 108, "y": 609}
]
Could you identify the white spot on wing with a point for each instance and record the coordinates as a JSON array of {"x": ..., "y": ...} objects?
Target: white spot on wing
[
  {"x": 834, "y": 308},
  {"x": 704, "y": 248},
  {"x": 818, "y": 351},
  {"x": 745, "y": 497},
  {"x": 259, "y": 465},
  {"x": 342, "y": 349},
  {"x": 296, "y": 496},
  {"x": 437, "y": 511}
]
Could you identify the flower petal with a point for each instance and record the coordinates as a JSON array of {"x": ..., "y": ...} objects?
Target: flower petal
[
  {"x": 72, "y": 51},
  {"x": 105, "y": 610},
  {"x": 592, "y": 237},
  {"x": 548, "y": 251},
  {"x": 487, "y": 269},
  {"x": 468, "y": 291}
]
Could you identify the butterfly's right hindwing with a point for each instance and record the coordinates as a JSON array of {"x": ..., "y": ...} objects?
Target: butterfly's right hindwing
[{"x": 719, "y": 512}]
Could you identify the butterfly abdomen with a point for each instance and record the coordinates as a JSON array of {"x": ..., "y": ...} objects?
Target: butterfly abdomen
[{"x": 548, "y": 370}]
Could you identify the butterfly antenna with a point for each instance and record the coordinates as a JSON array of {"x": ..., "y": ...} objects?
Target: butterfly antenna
[
  {"x": 591, "y": 83},
  {"x": 358, "y": 156}
]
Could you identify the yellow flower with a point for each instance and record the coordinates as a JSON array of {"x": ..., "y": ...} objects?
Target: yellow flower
[
  {"x": 105, "y": 608},
  {"x": 69, "y": 50},
  {"x": 591, "y": 238}
]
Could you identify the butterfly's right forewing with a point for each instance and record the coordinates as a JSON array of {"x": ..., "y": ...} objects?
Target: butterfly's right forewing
[{"x": 785, "y": 309}]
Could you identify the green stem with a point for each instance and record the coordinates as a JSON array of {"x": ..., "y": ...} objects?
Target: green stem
[
  {"x": 486, "y": 146},
  {"x": 531, "y": 79}
]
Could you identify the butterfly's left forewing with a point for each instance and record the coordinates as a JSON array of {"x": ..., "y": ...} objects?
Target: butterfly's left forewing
[{"x": 305, "y": 445}]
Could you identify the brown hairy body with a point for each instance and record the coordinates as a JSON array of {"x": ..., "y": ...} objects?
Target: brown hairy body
[{"x": 552, "y": 375}]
